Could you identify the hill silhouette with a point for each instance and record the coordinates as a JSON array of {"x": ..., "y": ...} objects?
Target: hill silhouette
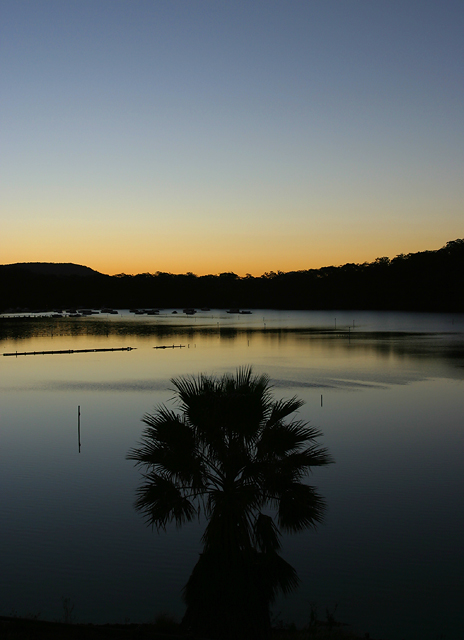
[
  {"x": 55, "y": 268},
  {"x": 423, "y": 281}
]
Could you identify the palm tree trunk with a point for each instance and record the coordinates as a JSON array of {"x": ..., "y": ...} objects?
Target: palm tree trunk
[{"x": 225, "y": 599}]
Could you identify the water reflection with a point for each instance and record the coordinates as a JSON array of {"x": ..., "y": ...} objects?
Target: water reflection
[
  {"x": 126, "y": 386},
  {"x": 447, "y": 346},
  {"x": 391, "y": 415}
]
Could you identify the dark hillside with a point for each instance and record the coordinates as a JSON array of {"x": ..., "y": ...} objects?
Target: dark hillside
[
  {"x": 23, "y": 288},
  {"x": 54, "y": 268}
]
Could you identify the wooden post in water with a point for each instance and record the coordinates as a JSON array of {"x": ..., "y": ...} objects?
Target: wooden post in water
[
  {"x": 321, "y": 399},
  {"x": 79, "y": 427}
]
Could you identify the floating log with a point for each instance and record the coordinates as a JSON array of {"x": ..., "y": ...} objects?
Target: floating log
[
  {"x": 171, "y": 346},
  {"x": 48, "y": 353}
]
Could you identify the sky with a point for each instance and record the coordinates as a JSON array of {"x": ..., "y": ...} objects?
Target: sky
[{"x": 244, "y": 135}]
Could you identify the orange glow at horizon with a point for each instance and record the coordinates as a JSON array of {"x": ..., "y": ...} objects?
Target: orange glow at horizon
[{"x": 239, "y": 255}]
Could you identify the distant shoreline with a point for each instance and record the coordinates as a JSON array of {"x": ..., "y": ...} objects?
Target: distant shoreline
[{"x": 430, "y": 281}]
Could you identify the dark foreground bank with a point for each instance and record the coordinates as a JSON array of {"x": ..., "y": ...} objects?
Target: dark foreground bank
[{"x": 14, "y": 628}]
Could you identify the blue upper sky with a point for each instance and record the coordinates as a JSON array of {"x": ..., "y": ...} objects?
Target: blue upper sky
[{"x": 213, "y": 136}]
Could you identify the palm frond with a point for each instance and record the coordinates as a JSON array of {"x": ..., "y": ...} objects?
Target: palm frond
[
  {"x": 317, "y": 456},
  {"x": 161, "y": 502},
  {"x": 300, "y": 507},
  {"x": 164, "y": 429},
  {"x": 216, "y": 407},
  {"x": 281, "y": 409},
  {"x": 168, "y": 446},
  {"x": 296, "y": 466},
  {"x": 280, "y": 439}
]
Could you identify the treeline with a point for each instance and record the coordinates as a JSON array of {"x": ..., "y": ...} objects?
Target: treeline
[{"x": 424, "y": 281}]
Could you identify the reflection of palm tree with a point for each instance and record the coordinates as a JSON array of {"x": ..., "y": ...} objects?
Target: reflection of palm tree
[{"x": 230, "y": 455}]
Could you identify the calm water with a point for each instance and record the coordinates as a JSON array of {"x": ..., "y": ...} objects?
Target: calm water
[{"x": 390, "y": 555}]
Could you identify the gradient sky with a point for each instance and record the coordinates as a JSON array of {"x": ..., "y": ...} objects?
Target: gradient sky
[{"x": 245, "y": 136}]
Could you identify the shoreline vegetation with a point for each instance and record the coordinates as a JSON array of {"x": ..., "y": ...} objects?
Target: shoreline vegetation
[{"x": 423, "y": 281}]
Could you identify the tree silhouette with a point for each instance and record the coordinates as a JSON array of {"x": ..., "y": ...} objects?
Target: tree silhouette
[{"x": 231, "y": 455}]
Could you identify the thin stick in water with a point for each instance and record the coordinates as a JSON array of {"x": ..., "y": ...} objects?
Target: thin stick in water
[{"x": 79, "y": 427}]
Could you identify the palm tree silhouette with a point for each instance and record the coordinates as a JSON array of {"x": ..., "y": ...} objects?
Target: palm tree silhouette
[{"x": 231, "y": 455}]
